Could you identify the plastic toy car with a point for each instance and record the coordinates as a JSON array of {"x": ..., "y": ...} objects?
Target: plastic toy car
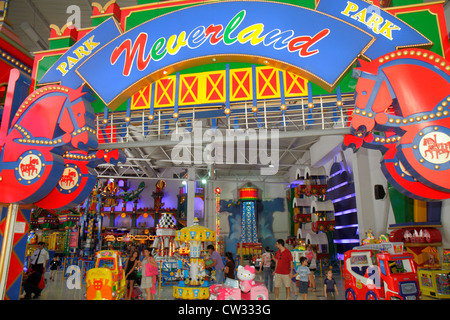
[
  {"x": 380, "y": 272},
  {"x": 228, "y": 291},
  {"x": 106, "y": 281}
]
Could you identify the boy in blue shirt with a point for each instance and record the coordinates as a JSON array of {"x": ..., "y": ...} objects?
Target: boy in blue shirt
[
  {"x": 329, "y": 286},
  {"x": 302, "y": 275}
]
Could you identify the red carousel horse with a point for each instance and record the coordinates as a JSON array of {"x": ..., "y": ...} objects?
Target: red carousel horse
[
  {"x": 45, "y": 140},
  {"x": 402, "y": 109}
]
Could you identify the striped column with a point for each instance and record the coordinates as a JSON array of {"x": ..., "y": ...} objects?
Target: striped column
[
  {"x": 66, "y": 240},
  {"x": 13, "y": 258},
  {"x": 90, "y": 232},
  {"x": 90, "y": 228}
]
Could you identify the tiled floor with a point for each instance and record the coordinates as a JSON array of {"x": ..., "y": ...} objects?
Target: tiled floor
[{"x": 58, "y": 290}]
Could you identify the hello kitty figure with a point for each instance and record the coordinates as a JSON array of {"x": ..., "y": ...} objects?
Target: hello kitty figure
[{"x": 246, "y": 276}]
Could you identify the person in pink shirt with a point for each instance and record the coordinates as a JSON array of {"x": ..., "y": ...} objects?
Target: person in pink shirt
[{"x": 265, "y": 267}]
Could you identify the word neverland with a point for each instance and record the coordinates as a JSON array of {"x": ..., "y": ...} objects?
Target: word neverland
[{"x": 134, "y": 51}]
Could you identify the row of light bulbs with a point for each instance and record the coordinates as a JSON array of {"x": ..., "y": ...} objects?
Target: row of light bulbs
[{"x": 227, "y": 111}]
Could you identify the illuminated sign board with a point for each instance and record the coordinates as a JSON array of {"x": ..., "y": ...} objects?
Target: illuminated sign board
[
  {"x": 63, "y": 71},
  {"x": 321, "y": 45},
  {"x": 390, "y": 32}
]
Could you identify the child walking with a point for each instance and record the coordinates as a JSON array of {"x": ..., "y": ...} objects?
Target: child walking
[
  {"x": 302, "y": 276},
  {"x": 54, "y": 264},
  {"x": 329, "y": 286}
]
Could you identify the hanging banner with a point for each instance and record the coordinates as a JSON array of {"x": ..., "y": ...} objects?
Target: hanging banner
[{"x": 73, "y": 239}]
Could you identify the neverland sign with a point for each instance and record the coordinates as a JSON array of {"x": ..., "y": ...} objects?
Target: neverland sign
[
  {"x": 320, "y": 45},
  {"x": 290, "y": 37}
]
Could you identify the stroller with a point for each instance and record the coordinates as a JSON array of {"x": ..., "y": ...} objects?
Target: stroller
[{"x": 137, "y": 293}]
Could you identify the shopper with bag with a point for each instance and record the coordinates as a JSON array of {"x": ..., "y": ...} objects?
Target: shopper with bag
[{"x": 149, "y": 270}]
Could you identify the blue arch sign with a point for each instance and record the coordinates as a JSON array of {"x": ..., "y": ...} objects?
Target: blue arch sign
[{"x": 321, "y": 45}]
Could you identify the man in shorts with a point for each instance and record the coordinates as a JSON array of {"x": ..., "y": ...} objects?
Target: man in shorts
[{"x": 283, "y": 269}]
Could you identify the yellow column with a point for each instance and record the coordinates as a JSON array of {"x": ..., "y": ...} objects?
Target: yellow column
[
  {"x": 7, "y": 246},
  {"x": 420, "y": 211}
]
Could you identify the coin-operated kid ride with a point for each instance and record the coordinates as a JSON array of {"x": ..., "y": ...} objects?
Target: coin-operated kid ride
[
  {"x": 106, "y": 281},
  {"x": 380, "y": 272},
  {"x": 243, "y": 288}
]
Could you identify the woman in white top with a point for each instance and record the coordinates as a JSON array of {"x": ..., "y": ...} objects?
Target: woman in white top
[
  {"x": 266, "y": 260},
  {"x": 147, "y": 283}
]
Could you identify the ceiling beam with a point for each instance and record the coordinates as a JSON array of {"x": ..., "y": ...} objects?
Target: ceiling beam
[
  {"x": 39, "y": 14},
  {"x": 281, "y": 135},
  {"x": 234, "y": 179}
]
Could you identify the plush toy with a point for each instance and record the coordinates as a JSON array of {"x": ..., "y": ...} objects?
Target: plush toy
[
  {"x": 246, "y": 275},
  {"x": 32, "y": 238}
]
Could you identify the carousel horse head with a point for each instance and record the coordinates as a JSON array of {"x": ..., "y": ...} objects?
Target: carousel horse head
[
  {"x": 50, "y": 121},
  {"x": 401, "y": 108},
  {"x": 399, "y": 89}
]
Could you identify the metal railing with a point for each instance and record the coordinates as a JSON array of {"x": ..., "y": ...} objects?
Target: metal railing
[{"x": 134, "y": 126}]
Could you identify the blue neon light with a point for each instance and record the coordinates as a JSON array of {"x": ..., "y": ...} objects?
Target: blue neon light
[
  {"x": 348, "y": 226},
  {"x": 338, "y": 186},
  {"x": 343, "y": 198},
  {"x": 347, "y": 241},
  {"x": 341, "y": 213}
]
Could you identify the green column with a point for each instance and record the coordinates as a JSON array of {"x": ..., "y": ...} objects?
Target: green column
[{"x": 402, "y": 206}]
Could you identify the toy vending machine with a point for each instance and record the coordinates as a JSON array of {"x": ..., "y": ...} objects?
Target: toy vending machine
[
  {"x": 446, "y": 258},
  {"x": 435, "y": 283}
]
